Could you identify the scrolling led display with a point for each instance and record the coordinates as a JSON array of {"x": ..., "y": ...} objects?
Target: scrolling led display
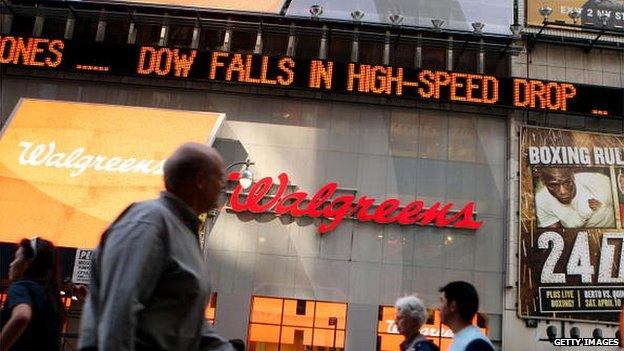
[{"x": 315, "y": 75}]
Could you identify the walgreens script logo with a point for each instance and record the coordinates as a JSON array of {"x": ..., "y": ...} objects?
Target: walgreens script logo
[
  {"x": 79, "y": 160},
  {"x": 323, "y": 204}
]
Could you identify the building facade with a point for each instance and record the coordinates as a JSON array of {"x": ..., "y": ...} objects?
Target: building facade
[{"x": 279, "y": 283}]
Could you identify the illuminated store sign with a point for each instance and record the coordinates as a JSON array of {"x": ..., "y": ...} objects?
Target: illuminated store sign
[
  {"x": 312, "y": 75},
  {"x": 67, "y": 169},
  {"x": 335, "y": 210}
]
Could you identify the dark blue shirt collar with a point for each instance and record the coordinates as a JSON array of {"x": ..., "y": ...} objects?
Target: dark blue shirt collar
[{"x": 182, "y": 210}]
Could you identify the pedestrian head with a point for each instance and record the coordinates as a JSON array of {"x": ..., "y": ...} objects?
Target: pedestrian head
[
  {"x": 459, "y": 301},
  {"x": 36, "y": 260},
  {"x": 195, "y": 173},
  {"x": 559, "y": 182},
  {"x": 411, "y": 314}
]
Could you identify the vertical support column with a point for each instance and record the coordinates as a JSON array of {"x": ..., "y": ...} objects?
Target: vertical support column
[
  {"x": 232, "y": 314},
  {"x": 101, "y": 28},
  {"x": 38, "y": 26},
  {"x": 355, "y": 46},
  {"x": 227, "y": 38},
  {"x": 132, "y": 33},
  {"x": 7, "y": 23},
  {"x": 292, "y": 41},
  {"x": 361, "y": 329},
  {"x": 69, "y": 27},
  {"x": 386, "y": 53},
  {"x": 258, "y": 46},
  {"x": 418, "y": 53},
  {"x": 196, "y": 35},
  {"x": 322, "y": 55},
  {"x": 449, "y": 55},
  {"x": 481, "y": 58},
  {"x": 164, "y": 33}
]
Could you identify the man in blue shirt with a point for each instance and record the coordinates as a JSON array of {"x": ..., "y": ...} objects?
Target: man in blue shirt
[{"x": 459, "y": 303}]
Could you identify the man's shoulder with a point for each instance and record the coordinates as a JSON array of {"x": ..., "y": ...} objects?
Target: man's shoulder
[
  {"x": 149, "y": 212},
  {"x": 543, "y": 197},
  {"x": 425, "y": 345},
  {"x": 479, "y": 345},
  {"x": 590, "y": 177}
]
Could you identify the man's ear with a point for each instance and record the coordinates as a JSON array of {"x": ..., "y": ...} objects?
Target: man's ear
[{"x": 453, "y": 306}]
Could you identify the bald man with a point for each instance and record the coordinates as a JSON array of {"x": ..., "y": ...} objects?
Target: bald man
[
  {"x": 574, "y": 200},
  {"x": 149, "y": 282}
]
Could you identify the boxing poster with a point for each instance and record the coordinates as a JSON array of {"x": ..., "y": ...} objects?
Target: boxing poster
[{"x": 571, "y": 236}]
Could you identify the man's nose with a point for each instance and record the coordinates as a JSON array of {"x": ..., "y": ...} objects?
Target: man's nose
[{"x": 563, "y": 190}]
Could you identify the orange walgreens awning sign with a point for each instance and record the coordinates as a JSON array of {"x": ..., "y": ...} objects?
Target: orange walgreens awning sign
[{"x": 67, "y": 169}]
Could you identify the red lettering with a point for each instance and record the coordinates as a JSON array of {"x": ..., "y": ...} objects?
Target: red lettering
[
  {"x": 336, "y": 215},
  {"x": 319, "y": 199},
  {"x": 364, "y": 204},
  {"x": 259, "y": 190},
  {"x": 343, "y": 206},
  {"x": 410, "y": 212},
  {"x": 467, "y": 214},
  {"x": 292, "y": 208},
  {"x": 234, "y": 204},
  {"x": 434, "y": 213},
  {"x": 385, "y": 209}
]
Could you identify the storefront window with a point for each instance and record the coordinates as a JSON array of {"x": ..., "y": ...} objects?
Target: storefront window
[
  {"x": 53, "y": 27},
  {"x": 296, "y": 325},
  {"x": 389, "y": 339},
  {"x": 85, "y": 29},
  {"x": 148, "y": 34},
  {"x": 117, "y": 32},
  {"x": 402, "y": 54},
  {"x": 180, "y": 36},
  {"x": 211, "y": 39},
  {"x": 243, "y": 42},
  {"x": 308, "y": 46},
  {"x": 434, "y": 58},
  {"x": 22, "y": 25},
  {"x": 274, "y": 44}
]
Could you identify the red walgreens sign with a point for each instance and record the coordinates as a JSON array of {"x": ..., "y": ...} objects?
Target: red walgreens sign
[{"x": 297, "y": 204}]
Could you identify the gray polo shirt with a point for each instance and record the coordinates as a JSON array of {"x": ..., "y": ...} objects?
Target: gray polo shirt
[{"x": 152, "y": 285}]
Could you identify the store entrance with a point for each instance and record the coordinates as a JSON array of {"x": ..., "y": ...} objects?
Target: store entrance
[{"x": 279, "y": 324}]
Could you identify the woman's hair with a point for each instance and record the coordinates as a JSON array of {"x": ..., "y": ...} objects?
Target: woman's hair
[
  {"x": 43, "y": 268},
  {"x": 412, "y": 307}
]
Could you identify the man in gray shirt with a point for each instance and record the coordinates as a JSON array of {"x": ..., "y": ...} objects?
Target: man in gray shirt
[{"x": 150, "y": 283}]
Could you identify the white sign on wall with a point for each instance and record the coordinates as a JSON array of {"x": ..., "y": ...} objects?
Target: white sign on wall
[{"x": 82, "y": 266}]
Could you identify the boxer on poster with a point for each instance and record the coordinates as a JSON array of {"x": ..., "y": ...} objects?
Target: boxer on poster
[{"x": 566, "y": 199}]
